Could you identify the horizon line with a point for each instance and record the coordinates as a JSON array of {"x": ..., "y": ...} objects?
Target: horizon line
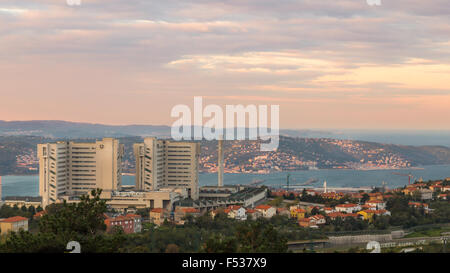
[{"x": 165, "y": 125}]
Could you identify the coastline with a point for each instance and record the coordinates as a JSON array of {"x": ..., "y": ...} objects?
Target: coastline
[
  {"x": 282, "y": 171},
  {"x": 331, "y": 169},
  {"x": 27, "y": 185}
]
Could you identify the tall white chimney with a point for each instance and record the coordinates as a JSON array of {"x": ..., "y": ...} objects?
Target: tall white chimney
[
  {"x": 0, "y": 189},
  {"x": 220, "y": 162},
  {"x": 325, "y": 186}
]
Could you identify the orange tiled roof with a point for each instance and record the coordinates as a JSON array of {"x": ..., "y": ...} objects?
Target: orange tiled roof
[
  {"x": 336, "y": 214},
  {"x": 263, "y": 207},
  {"x": 190, "y": 210},
  {"x": 133, "y": 215},
  {"x": 39, "y": 214},
  {"x": 346, "y": 205},
  {"x": 14, "y": 219}
]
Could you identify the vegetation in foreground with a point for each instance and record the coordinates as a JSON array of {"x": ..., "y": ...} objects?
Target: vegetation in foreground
[{"x": 84, "y": 222}]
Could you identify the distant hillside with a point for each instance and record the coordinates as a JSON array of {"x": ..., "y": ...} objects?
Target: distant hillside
[
  {"x": 324, "y": 153},
  {"x": 18, "y": 154},
  {"x": 65, "y": 129}
]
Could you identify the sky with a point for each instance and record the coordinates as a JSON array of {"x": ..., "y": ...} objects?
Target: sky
[{"x": 327, "y": 63}]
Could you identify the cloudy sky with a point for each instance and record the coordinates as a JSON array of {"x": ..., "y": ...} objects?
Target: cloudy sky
[{"x": 327, "y": 63}]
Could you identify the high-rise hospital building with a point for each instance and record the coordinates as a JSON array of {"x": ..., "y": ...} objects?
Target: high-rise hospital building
[
  {"x": 72, "y": 169},
  {"x": 167, "y": 164},
  {"x": 163, "y": 167}
]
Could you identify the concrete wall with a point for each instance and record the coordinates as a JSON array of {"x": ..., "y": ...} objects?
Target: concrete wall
[{"x": 355, "y": 239}]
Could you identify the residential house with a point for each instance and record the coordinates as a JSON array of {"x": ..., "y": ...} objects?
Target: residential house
[
  {"x": 266, "y": 210},
  {"x": 328, "y": 210},
  {"x": 283, "y": 212},
  {"x": 237, "y": 212},
  {"x": 378, "y": 204},
  {"x": 318, "y": 219},
  {"x": 443, "y": 196},
  {"x": 39, "y": 214},
  {"x": 418, "y": 205},
  {"x": 311, "y": 192},
  {"x": 158, "y": 215},
  {"x": 306, "y": 222},
  {"x": 297, "y": 212},
  {"x": 181, "y": 213},
  {"x": 347, "y": 208},
  {"x": 343, "y": 216},
  {"x": 426, "y": 194},
  {"x": 130, "y": 223},
  {"x": 375, "y": 196},
  {"x": 436, "y": 188},
  {"x": 253, "y": 213},
  {"x": 367, "y": 214},
  {"x": 13, "y": 224},
  {"x": 382, "y": 212}
]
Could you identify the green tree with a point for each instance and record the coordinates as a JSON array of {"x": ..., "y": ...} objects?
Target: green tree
[
  {"x": 82, "y": 222},
  {"x": 260, "y": 237},
  {"x": 220, "y": 244}
]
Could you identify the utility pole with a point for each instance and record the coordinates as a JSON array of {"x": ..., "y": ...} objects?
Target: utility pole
[
  {"x": 220, "y": 162},
  {"x": 287, "y": 182},
  {"x": 444, "y": 240}
]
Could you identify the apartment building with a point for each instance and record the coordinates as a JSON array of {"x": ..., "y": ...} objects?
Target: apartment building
[
  {"x": 167, "y": 164},
  {"x": 130, "y": 223},
  {"x": 72, "y": 169}
]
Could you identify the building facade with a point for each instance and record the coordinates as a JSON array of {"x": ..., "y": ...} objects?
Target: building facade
[
  {"x": 73, "y": 169},
  {"x": 130, "y": 223},
  {"x": 13, "y": 224},
  {"x": 167, "y": 164}
]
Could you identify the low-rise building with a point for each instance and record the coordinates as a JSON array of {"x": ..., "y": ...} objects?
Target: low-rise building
[
  {"x": 306, "y": 222},
  {"x": 382, "y": 212},
  {"x": 426, "y": 194},
  {"x": 375, "y": 196},
  {"x": 367, "y": 214},
  {"x": 348, "y": 208},
  {"x": 181, "y": 213},
  {"x": 418, "y": 205},
  {"x": 266, "y": 210},
  {"x": 377, "y": 204},
  {"x": 443, "y": 196},
  {"x": 130, "y": 223},
  {"x": 343, "y": 216},
  {"x": 158, "y": 215},
  {"x": 238, "y": 212},
  {"x": 39, "y": 214},
  {"x": 297, "y": 212},
  {"x": 318, "y": 219},
  {"x": 283, "y": 212},
  {"x": 254, "y": 214},
  {"x": 328, "y": 210},
  {"x": 13, "y": 224},
  {"x": 435, "y": 187},
  {"x": 311, "y": 192}
]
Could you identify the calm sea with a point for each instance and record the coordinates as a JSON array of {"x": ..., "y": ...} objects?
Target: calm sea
[{"x": 29, "y": 185}]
